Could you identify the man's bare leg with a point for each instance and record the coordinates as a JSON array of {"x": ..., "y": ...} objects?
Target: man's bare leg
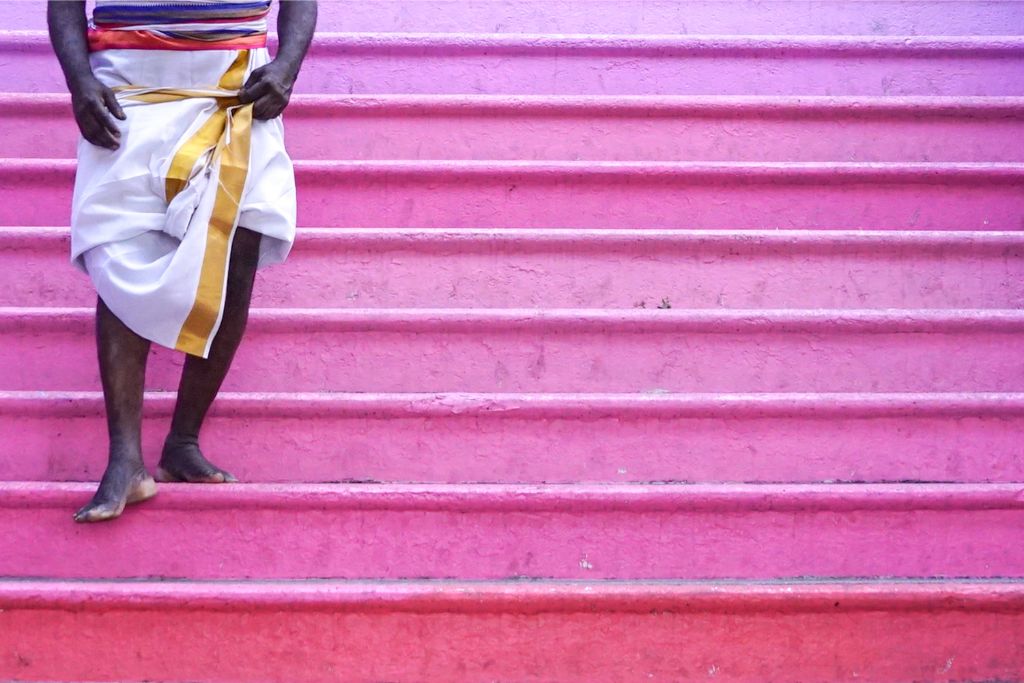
[
  {"x": 122, "y": 356},
  {"x": 182, "y": 460}
]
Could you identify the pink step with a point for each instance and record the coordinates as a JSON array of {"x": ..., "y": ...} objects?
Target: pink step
[
  {"x": 598, "y": 195},
  {"x": 815, "y": 17},
  {"x": 662, "y": 128},
  {"x": 453, "y": 632},
  {"x": 604, "y": 531},
  {"x": 508, "y": 438},
  {"x": 872, "y": 17},
  {"x": 364, "y": 268},
  {"x": 553, "y": 64},
  {"x": 561, "y": 350}
]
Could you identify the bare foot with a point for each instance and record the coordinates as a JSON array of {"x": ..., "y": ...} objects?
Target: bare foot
[
  {"x": 183, "y": 461},
  {"x": 123, "y": 483}
]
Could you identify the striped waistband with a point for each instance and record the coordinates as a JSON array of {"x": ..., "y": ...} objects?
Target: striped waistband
[{"x": 182, "y": 25}]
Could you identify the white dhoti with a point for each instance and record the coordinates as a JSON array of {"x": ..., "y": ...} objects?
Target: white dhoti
[{"x": 152, "y": 222}]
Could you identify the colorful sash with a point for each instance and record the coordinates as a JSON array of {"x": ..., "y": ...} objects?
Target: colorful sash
[{"x": 179, "y": 25}]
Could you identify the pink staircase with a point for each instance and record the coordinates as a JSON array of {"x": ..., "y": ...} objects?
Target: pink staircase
[{"x": 622, "y": 341}]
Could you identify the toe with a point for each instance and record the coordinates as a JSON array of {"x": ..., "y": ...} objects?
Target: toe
[{"x": 98, "y": 513}]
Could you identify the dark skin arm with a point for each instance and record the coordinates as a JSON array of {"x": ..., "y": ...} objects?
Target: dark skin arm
[
  {"x": 270, "y": 87},
  {"x": 93, "y": 103},
  {"x": 95, "y": 107}
]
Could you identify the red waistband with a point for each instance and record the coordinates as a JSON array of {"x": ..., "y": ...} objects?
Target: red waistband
[{"x": 100, "y": 39}]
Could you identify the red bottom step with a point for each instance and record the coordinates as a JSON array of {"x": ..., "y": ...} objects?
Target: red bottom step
[{"x": 438, "y": 631}]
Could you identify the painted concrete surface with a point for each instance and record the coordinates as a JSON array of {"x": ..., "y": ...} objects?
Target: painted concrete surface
[
  {"x": 810, "y": 17},
  {"x": 328, "y": 437},
  {"x": 638, "y": 128},
  {"x": 509, "y": 531},
  {"x": 593, "y": 297},
  {"x": 592, "y": 195},
  {"x": 659, "y": 128},
  {"x": 501, "y": 350},
  {"x": 604, "y": 269},
  {"x": 552, "y": 64},
  {"x": 949, "y": 631}
]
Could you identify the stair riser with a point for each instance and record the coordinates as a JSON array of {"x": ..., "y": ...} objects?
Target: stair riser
[
  {"x": 456, "y": 196},
  {"x": 817, "y": 17},
  {"x": 670, "y": 16},
  {"x": 220, "y": 533},
  {"x": 375, "y": 63},
  {"x": 582, "y": 271},
  {"x": 509, "y": 642},
  {"x": 602, "y": 446},
  {"x": 609, "y": 133},
  {"x": 477, "y": 355}
]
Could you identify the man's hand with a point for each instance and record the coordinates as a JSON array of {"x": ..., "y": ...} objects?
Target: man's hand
[
  {"x": 95, "y": 107},
  {"x": 94, "y": 104},
  {"x": 268, "y": 89}
]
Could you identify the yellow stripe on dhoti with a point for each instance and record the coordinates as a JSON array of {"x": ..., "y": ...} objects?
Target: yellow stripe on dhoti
[{"x": 153, "y": 221}]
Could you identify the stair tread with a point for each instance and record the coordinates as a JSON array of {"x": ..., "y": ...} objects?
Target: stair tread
[
  {"x": 529, "y": 404},
  {"x": 501, "y": 531},
  {"x": 492, "y": 400},
  {"x": 825, "y": 172},
  {"x": 1009, "y": 168},
  {"x": 14, "y": 102},
  {"x": 706, "y": 41},
  {"x": 701, "y": 16},
  {"x": 28, "y": 313},
  {"x": 414, "y": 235},
  {"x": 605, "y": 194},
  {"x": 551, "y": 595},
  {"x": 913, "y": 128},
  {"x": 464, "y": 631},
  {"x": 574, "y": 497},
  {"x": 392, "y": 62}
]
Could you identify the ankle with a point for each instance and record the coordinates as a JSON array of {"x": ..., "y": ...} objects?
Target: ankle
[
  {"x": 125, "y": 452},
  {"x": 125, "y": 464},
  {"x": 181, "y": 438}
]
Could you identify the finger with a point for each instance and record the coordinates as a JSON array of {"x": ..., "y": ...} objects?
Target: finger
[
  {"x": 262, "y": 108},
  {"x": 99, "y": 112},
  {"x": 113, "y": 106},
  {"x": 252, "y": 93},
  {"x": 100, "y": 135},
  {"x": 250, "y": 85},
  {"x": 255, "y": 76},
  {"x": 267, "y": 107}
]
